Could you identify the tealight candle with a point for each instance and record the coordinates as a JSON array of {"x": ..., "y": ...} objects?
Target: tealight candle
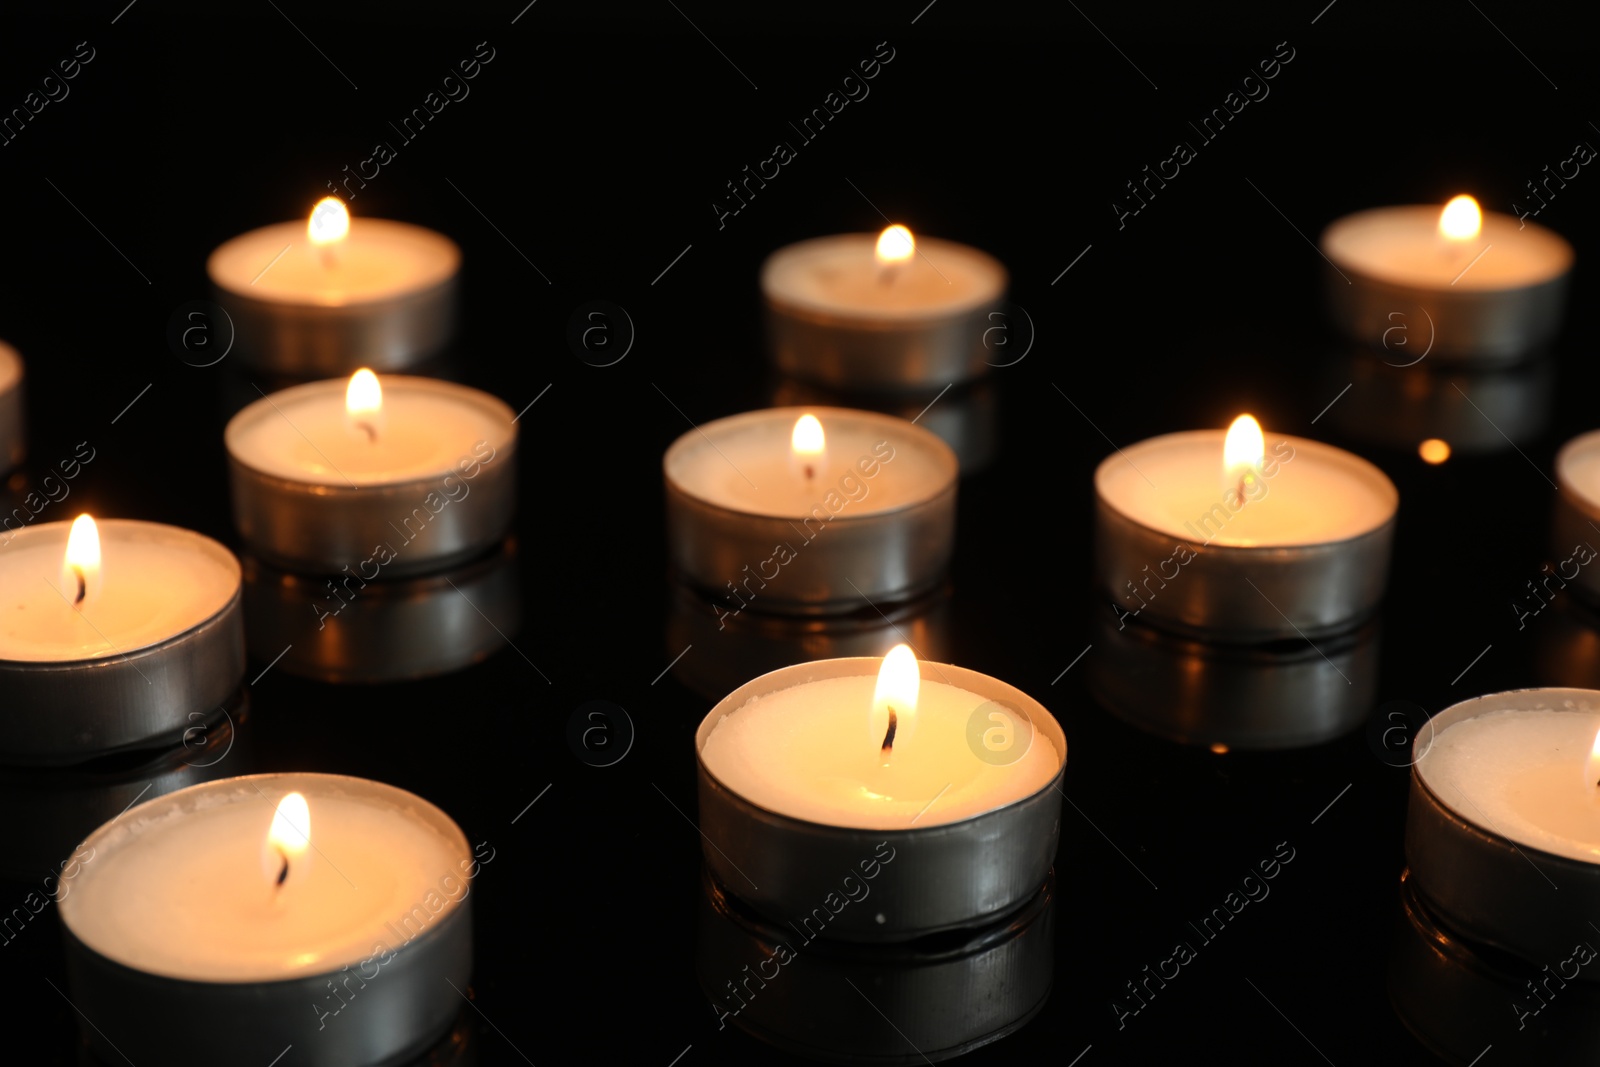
[
  {"x": 1575, "y": 527},
  {"x": 372, "y": 476},
  {"x": 112, "y": 635},
  {"x": 794, "y": 510},
  {"x": 939, "y": 781},
  {"x": 1503, "y": 827},
  {"x": 324, "y": 297},
  {"x": 1217, "y": 535},
  {"x": 13, "y": 439},
  {"x": 313, "y": 910},
  {"x": 1458, "y": 283},
  {"x": 885, "y": 312}
]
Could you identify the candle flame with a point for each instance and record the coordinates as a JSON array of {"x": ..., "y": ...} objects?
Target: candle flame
[
  {"x": 894, "y": 698},
  {"x": 1461, "y": 219},
  {"x": 1434, "y": 451},
  {"x": 288, "y": 838},
  {"x": 1243, "y": 448},
  {"x": 807, "y": 439},
  {"x": 329, "y": 223},
  {"x": 1591, "y": 774},
  {"x": 363, "y": 396},
  {"x": 80, "y": 567},
  {"x": 895, "y": 246}
]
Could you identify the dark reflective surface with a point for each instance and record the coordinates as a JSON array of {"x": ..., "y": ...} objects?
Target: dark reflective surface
[{"x": 588, "y": 164}]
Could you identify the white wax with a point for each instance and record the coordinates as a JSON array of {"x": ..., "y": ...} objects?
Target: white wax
[
  {"x": 1174, "y": 483},
  {"x": 175, "y": 887},
  {"x": 10, "y": 368},
  {"x": 1403, "y": 246},
  {"x": 876, "y": 463},
  {"x": 426, "y": 430},
  {"x": 811, "y": 752},
  {"x": 841, "y": 276},
  {"x": 378, "y": 260},
  {"x": 1522, "y": 774},
  {"x": 156, "y": 582},
  {"x": 1578, "y": 467}
]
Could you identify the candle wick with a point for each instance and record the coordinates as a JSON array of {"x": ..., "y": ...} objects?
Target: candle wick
[
  {"x": 83, "y": 588},
  {"x": 811, "y": 472},
  {"x": 283, "y": 871},
  {"x": 888, "y": 737},
  {"x": 1242, "y": 478},
  {"x": 371, "y": 432}
]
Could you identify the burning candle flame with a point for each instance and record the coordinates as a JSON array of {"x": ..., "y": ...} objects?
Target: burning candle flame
[
  {"x": 895, "y": 246},
  {"x": 288, "y": 838},
  {"x": 80, "y": 567},
  {"x": 1461, "y": 219},
  {"x": 894, "y": 698},
  {"x": 1242, "y": 452},
  {"x": 808, "y": 446},
  {"x": 329, "y": 223},
  {"x": 1591, "y": 776},
  {"x": 363, "y": 402},
  {"x": 1434, "y": 451}
]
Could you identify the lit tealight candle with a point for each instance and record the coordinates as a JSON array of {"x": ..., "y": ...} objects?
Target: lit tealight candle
[
  {"x": 1461, "y": 283},
  {"x": 396, "y": 477},
  {"x": 1503, "y": 833},
  {"x": 328, "y": 294},
  {"x": 1221, "y": 534},
  {"x": 886, "y": 311},
  {"x": 111, "y": 635},
  {"x": 308, "y": 909},
  {"x": 948, "y": 768},
  {"x": 13, "y": 440},
  {"x": 784, "y": 509},
  {"x": 1575, "y": 525}
]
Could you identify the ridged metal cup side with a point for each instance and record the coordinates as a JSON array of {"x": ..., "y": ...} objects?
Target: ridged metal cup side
[
  {"x": 1514, "y": 897},
  {"x": 940, "y": 877},
  {"x": 1229, "y": 593},
  {"x": 1241, "y": 696},
  {"x": 1486, "y": 328},
  {"x": 65, "y": 712},
  {"x": 944, "y": 1000}
]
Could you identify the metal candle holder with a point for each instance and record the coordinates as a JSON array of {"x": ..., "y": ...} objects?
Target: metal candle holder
[
  {"x": 321, "y": 529},
  {"x": 862, "y": 350},
  {"x": 1452, "y": 324},
  {"x": 1576, "y": 517},
  {"x": 882, "y": 556},
  {"x": 13, "y": 428},
  {"x": 1237, "y": 593},
  {"x": 1489, "y": 888},
  {"x": 305, "y": 340},
  {"x": 63, "y": 712},
  {"x": 949, "y": 998},
  {"x": 943, "y": 877},
  {"x": 396, "y": 1016}
]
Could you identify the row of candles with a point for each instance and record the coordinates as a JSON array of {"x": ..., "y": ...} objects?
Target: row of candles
[{"x": 113, "y": 633}]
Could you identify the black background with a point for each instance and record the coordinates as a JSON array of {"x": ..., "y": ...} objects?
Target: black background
[{"x": 593, "y": 146}]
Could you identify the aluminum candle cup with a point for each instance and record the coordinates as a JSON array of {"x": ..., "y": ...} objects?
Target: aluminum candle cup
[
  {"x": 383, "y": 297},
  {"x": 1574, "y": 537},
  {"x": 1307, "y": 556},
  {"x": 1235, "y": 696},
  {"x": 432, "y": 485},
  {"x": 946, "y": 999},
  {"x": 837, "y": 316},
  {"x": 13, "y": 437},
  {"x": 349, "y": 955},
  {"x": 875, "y": 519},
  {"x": 978, "y": 850},
  {"x": 1492, "y": 297},
  {"x": 158, "y": 636},
  {"x": 344, "y": 630},
  {"x": 1502, "y": 835}
]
